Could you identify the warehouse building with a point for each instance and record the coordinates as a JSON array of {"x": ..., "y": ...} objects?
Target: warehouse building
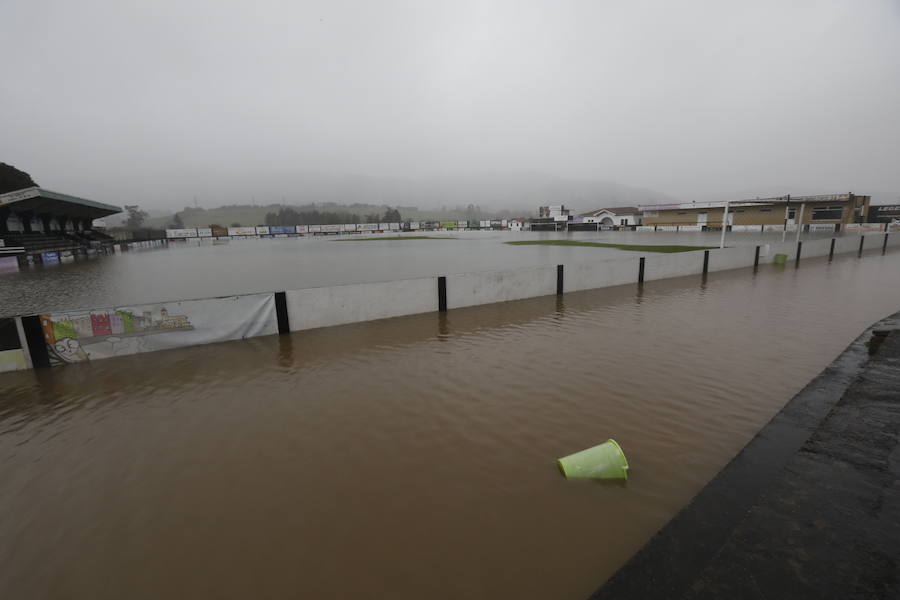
[{"x": 831, "y": 209}]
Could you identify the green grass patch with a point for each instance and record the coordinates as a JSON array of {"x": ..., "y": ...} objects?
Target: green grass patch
[
  {"x": 628, "y": 247},
  {"x": 393, "y": 237}
]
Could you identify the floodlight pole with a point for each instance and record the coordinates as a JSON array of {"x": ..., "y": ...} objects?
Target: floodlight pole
[{"x": 724, "y": 225}]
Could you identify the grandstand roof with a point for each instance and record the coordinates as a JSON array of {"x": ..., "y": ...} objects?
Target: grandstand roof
[{"x": 39, "y": 200}]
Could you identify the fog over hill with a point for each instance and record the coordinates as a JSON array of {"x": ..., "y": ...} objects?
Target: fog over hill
[{"x": 520, "y": 193}]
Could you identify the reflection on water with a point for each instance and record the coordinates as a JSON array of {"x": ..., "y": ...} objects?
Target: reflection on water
[
  {"x": 263, "y": 265},
  {"x": 411, "y": 457}
]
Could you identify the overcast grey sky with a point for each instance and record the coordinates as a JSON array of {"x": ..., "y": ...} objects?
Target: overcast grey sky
[{"x": 157, "y": 101}]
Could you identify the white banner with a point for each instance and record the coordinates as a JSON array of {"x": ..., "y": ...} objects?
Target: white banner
[
  {"x": 414, "y": 225},
  {"x": 367, "y": 226},
  {"x": 262, "y": 230},
  {"x": 78, "y": 336},
  {"x": 315, "y": 228},
  {"x": 302, "y": 228},
  {"x": 181, "y": 233},
  {"x": 348, "y": 227},
  {"x": 204, "y": 232},
  {"x": 821, "y": 227},
  {"x": 331, "y": 228},
  {"x": 242, "y": 231},
  {"x": 865, "y": 227}
]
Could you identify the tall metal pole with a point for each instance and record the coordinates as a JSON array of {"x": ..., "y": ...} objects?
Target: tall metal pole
[
  {"x": 724, "y": 225},
  {"x": 787, "y": 209}
]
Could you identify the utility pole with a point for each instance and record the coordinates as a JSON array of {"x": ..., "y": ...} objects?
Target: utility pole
[
  {"x": 724, "y": 225},
  {"x": 787, "y": 209}
]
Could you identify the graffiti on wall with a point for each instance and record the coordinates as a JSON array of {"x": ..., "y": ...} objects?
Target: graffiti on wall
[{"x": 85, "y": 335}]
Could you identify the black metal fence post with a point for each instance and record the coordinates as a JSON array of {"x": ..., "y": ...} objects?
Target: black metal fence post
[
  {"x": 799, "y": 250},
  {"x": 705, "y": 262},
  {"x": 281, "y": 312},
  {"x": 862, "y": 239},
  {"x": 641, "y": 271},
  {"x": 756, "y": 258},
  {"x": 559, "y": 280},
  {"x": 37, "y": 345},
  {"x": 442, "y": 294},
  {"x": 831, "y": 251}
]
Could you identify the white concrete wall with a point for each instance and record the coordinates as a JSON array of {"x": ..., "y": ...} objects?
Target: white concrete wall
[
  {"x": 588, "y": 276},
  {"x": 848, "y": 243},
  {"x": 471, "y": 289},
  {"x": 342, "y": 304},
  {"x": 679, "y": 264},
  {"x": 722, "y": 259}
]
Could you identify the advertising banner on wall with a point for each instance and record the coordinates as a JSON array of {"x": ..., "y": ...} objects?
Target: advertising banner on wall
[
  {"x": 12, "y": 356},
  {"x": 78, "y": 336},
  {"x": 9, "y": 264},
  {"x": 348, "y": 227},
  {"x": 821, "y": 227},
  {"x": 50, "y": 258},
  {"x": 315, "y": 228},
  {"x": 302, "y": 228},
  {"x": 413, "y": 225},
  {"x": 331, "y": 228},
  {"x": 181, "y": 233},
  {"x": 262, "y": 230},
  {"x": 204, "y": 232},
  {"x": 279, "y": 229},
  {"x": 242, "y": 231},
  {"x": 367, "y": 226}
]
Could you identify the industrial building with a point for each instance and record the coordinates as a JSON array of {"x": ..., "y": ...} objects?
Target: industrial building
[{"x": 831, "y": 209}]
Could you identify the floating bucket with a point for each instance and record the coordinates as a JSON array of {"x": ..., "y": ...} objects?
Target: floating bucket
[
  {"x": 606, "y": 461},
  {"x": 780, "y": 259}
]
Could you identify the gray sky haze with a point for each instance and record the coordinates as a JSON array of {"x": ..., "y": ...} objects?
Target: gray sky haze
[{"x": 154, "y": 102}]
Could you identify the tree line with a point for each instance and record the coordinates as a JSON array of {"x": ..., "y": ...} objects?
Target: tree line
[{"x": 288, "y": 216}]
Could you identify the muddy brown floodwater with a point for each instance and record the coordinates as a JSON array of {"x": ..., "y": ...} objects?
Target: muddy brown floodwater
[{"x": 411, "y": 457}]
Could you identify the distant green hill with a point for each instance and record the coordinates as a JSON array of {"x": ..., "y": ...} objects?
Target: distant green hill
[{"x": 248, "y": 214}]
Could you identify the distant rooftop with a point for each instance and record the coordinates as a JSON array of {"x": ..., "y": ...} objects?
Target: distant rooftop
[
  {"x": 616, "y": 210},
  {"x": 751, "y": 202}
]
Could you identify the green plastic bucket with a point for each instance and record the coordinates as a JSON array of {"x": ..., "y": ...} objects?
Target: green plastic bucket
[
  {"x": 780, "y": 259},
  {"x": 606, "y": 461}
]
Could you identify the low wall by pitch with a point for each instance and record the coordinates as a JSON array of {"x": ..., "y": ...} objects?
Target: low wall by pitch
[{"x": 47, "y": 339}]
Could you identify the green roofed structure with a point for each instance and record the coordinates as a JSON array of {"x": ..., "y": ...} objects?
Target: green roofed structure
[{"x": 34, "y": 220}]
